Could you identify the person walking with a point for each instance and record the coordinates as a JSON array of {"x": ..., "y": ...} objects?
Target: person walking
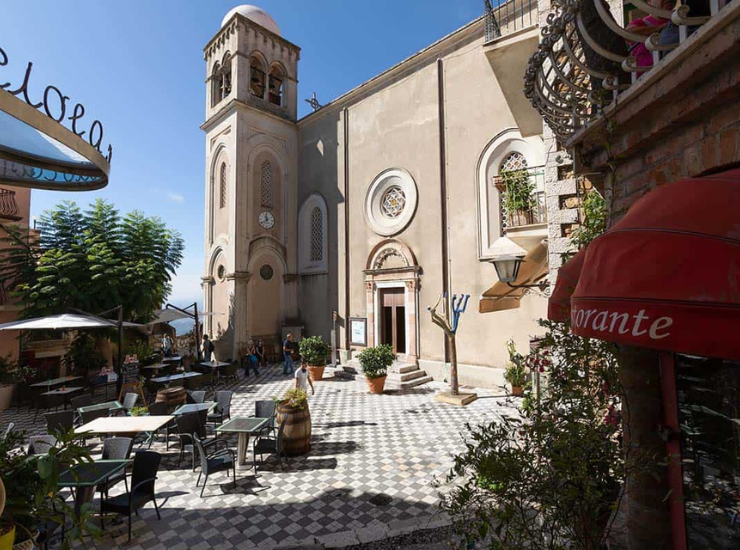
[
  {"x": 287, "y": 354},
  {"x": 303, "y": 380},
  {"x": 167, "y": 345}
]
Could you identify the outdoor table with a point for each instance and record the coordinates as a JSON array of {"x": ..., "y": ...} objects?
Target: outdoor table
[
  {"x": 244, "y": 426},
  {"x": 171, "y": 377},
  {"x": 194, "y": 407},
  {"x": 64, "y": 392},
  {"x": 108, "y": 405},
  {"x": 173, "y": 359},
  {"x": 120, "y": 425},
  {"x": 84, "y": 477},
  {"x": 158, "y": 366},
  {"x": 215, "y": 365},
  {"x": 55, "y": 382}
]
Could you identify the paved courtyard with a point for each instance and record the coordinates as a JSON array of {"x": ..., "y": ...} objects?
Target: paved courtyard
[{"x": 368, "y": 476}]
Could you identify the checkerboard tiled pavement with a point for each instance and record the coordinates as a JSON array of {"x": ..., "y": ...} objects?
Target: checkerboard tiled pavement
[{"x": 362, "y": 445}]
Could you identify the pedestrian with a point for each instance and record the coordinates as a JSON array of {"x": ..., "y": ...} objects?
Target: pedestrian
[
  {"x": 207, "y": 349},
  {"x": 303, "y": 380},
  {"x": 261, "y": 357},
  {"x": 287, "y": 354},
  {"x": 167, "y": 345},
  {"x": 251, "y": 360}
]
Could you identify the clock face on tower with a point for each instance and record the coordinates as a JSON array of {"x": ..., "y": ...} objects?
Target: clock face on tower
[{"x": 267, "y": 220}]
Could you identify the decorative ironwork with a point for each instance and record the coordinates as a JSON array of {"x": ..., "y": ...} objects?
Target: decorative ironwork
[
  {"x": 8, "y": 206},
  {"x": 508, "y": 17},
  {"x": 513, "y": 162},
  {"x": 536, "y": 213},
  {"x": 317, "y": 235},
  {"x": 393, "y": 202},
  {"x": 54, "y": 105},
  {"x": 582, "y": 64},
  {"x": 313, "y": 102},
  {"x": 266, "y": 184}
]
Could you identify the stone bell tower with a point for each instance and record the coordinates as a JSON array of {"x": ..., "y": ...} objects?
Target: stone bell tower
[{"x": 249, "y": 280}]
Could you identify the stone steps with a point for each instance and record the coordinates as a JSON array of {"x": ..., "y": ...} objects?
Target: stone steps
[{"x": 401, "y": 375}]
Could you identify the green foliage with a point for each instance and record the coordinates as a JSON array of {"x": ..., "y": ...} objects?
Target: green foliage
[
  {"x": 594, "y": 219},
  {"x": 547, "y": 476},
  {"x": 139, "y": 411},
  {"x": 519, "y": 188},
  {"x": 7, "y": 370},
  {"x": 296, "y": 398},
  {"x": 314, "y": 350},
  {"x": 141, "y": 349},
  {"x": 94, "y": 261},
  {"x": 84, "y": 355},
  {"x": 515, "y": 373},
  {"x": 375, "y": 361}
]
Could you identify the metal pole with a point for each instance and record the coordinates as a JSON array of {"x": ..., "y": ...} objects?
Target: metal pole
[
  {"x": 197, "y": 333},
  {"x": 119, "y": 379}
]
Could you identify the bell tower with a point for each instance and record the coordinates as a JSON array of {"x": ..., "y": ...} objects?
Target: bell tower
[{"x": 249, "y": 280}]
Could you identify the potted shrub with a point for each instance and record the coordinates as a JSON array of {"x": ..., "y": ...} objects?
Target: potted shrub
[
  {"x": 7, "y": 381},
  {"x": 297, "y": 433},
  {"x": 516, "y": 372},
  {"x": 314, "y": 352},
  {"x": 375, "y": 363},
  {"x": 519, "y": 200}
]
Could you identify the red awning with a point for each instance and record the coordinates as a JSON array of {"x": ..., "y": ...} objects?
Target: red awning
[
  {"x": 667, "y": 276},
  {"x": 558, "y": 306}
]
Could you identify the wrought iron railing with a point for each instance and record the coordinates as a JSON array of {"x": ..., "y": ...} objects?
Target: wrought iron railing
[
  {"x": 521, "y": 213},
  {"x": 505, "y": 18},
  {"x": 584, "y": 62},
  {"x": 8, "y": 206}
]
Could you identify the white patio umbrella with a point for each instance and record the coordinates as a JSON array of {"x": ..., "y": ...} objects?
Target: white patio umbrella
[
  {"x": 64, "y": 321},
  {"x": 169, "y": 314}
]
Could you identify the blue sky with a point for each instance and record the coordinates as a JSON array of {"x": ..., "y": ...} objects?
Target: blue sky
[{"x": 137, "y": 66}]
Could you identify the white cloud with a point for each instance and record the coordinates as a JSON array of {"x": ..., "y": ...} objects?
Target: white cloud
[{"x": 175, "y": 197}]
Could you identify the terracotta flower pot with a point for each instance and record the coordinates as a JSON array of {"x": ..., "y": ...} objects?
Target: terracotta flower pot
[
  {"x": 316, "y": 372},
  {"x": 376, "y": 385},
  {"x": 517, "y": 391}
]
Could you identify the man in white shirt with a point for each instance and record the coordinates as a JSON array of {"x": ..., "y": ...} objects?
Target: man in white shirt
[{"x": 303, "y": 380}]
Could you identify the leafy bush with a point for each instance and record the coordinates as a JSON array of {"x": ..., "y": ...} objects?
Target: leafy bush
[
  {"x": 516, "y": 372},
  {"x": 314, "y": 351},
  {"x": 519, "y": 191},
  {"x": 548, "y": 476},
  {"x": 84, "y": 355},
  {"x": 142, "y": 350},
  {"x": 375, "y": 361},
  {"x": 296, "y": 398}
]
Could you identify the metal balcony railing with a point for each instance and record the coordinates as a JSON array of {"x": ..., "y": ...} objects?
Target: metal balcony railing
[
  {"x": 8, "y": 206},
  {"x": 505, "y": 18},
  {"x": 521, "y": 212}
]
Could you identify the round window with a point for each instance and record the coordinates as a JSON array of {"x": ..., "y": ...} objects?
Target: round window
[
  {"x": 221, "y": 273},
  {"x": 393, "y": 202},
  {"x": 266, "y": 272}
]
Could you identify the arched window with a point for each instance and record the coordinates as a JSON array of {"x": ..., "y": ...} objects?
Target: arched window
[
  {"x": 275, "y": 91},
  {"x": 313, "y": 232},
  {"x": 216, "y": 91},
  {"x": 257, "y": 77},
  {"x": 226, "y": 76},
  {"x": 317, "y": 235},
  {"x": 266, "y": 185},
  {"x": 221, "y": 80},
  {"x": 513, "y": 162},
  {"x": 222, "y": 186}
]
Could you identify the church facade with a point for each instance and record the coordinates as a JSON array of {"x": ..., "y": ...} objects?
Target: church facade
[{"x": 350, "y": 222}]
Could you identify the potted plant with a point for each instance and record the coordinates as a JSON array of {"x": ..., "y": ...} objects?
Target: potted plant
[
  {"x": 314, "y": 352},
  {"x": 375, "y": 363},
  {"x": 519, "y": 200},
  {"x": 293, "y": 408},
  {"x": 7, "y": 381},
  {"x": 141, "y": 410},
  {"x": 516, "y": 372}
]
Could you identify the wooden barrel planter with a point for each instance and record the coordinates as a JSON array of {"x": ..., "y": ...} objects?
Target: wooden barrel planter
[
  {"x": 174, "y": 397},
  {"x": 297, "y": 433}
]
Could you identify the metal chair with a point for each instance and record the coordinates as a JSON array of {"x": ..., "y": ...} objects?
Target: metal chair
[
  {"x": 217, "y": 461},
  {"x": 63, "y": 420},
  {"x": 230, "y": 371},
  {"x": 158, "y": 409},
  {"x": 269, "y": 445},
  {"x": 47, "y": 402},
  {"x": 80, "y": 401},
  {"x": 146, "y": 465},
  {"x": 40, "y": 444},
  {"x": 115, "y": 448},
  {"x": 129, "y": 401},
  {"x": 266, "y": 409},
  {"x": 188, "y": 426},
  {"x": 223, "y": 407},
  {"x": 198, "y": 396}
]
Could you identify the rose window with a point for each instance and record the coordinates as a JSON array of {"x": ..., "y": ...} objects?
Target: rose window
[{"x": 393, "y": 202}]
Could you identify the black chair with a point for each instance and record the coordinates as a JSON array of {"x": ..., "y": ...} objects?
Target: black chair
[
  {"x": 230, "y": 371},
  {"x": 47, "y": 402},
  {"x": 89, "y": 416},
  {"x": 198, "y": 396},
  {"x": 80, "y": 401},
  {"x": 115, "y": 448},
  {"x": 158, "y": 409},
  {"x": 24, "y": 394},
  {"x": 270, "y": 445},
  {"x": 129, "y": 401},
  {"x": 146, "y": 464},
  {"x": 64, "y": 420},
  {"x": 217, "y": 461},
  {"x": 188, "y": 426},
  {"x": 223, "y": 407},
  {"x": 40, "y": 444},
  {"x": 266, "y": 409}
]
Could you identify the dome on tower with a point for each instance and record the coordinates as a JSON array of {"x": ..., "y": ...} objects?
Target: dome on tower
[{"x": 258, "y": 15}]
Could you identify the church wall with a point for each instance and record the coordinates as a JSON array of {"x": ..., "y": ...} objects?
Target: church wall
[{"x": 470, "y": 81}]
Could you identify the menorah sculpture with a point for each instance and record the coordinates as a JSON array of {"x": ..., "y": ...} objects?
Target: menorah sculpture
[{"x": 448, "y": 321}]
